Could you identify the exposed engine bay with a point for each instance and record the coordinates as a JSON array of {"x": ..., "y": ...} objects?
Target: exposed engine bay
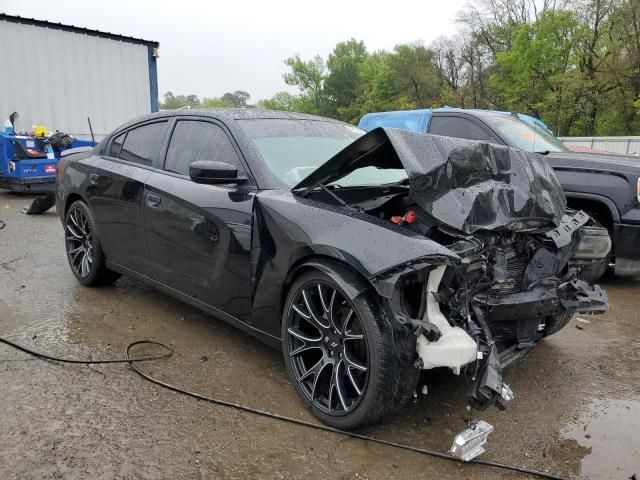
[{"x": 519, "y": 251}]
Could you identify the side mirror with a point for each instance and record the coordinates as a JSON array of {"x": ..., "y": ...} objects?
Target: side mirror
[{"x": 214, "y": 173}]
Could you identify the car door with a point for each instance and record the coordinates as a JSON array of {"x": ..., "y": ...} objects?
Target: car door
[
  {"x": 458, "y": 126},
  {"x": 116, "y": 193},
  {"x": 199, "y": 236}
]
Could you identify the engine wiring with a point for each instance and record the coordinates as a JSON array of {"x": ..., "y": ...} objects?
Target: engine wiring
[{"x": 133, "y": 362}]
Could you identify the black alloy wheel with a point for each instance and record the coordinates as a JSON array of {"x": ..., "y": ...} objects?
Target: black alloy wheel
[
  {"x": 327, "y": 348},
  {"x": 84, "y": 251},
  {"x": 79, "y": 242}
]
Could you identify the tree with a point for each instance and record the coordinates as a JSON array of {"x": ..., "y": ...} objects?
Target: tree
[
  {"x": 309, "y": 77},
  {"x": 415, "y": 76},
  {"x": 172, "y": 102},
  {"x": 281, "y": 101},
  {"x": 377, "y": 84},
  {"x": 342, "y": 85},
  {"x": 534, "y": 74},
  {"x": 238, "y": 98},
  {"x": 215, "y": 102}
]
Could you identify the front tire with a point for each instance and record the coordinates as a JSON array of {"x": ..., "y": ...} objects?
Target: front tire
[
  {"x": 84, "y": 251},
  {"x": 338, "y": 355},
  {"x": 557, "y": 323}
]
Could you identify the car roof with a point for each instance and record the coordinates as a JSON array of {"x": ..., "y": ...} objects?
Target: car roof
[
  {"x": 224, "y": 114},
  {"x": 418, "y": 120}
]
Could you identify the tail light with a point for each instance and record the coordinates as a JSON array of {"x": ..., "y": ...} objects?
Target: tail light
[{"x": 638, "y": 191}]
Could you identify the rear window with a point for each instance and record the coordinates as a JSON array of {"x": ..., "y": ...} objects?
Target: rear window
[
  {"x": 116, "y": 145},
  {"x": 142, "y": 144}
]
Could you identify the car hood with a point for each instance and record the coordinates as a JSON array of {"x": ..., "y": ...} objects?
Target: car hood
[
  {"x": 462, "y": 184},
  {"x": 606, "y": 161}
]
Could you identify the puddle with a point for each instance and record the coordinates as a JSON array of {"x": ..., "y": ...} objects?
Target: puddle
[{"x": 611, "y": 430}]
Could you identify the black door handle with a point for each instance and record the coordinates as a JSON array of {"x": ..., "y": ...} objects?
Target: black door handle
[{"x": 153, "y": 200}]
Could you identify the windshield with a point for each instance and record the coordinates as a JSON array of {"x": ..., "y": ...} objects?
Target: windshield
[
  {"x": 293, "y": 149},
  {"x": 524, "y": 135}
]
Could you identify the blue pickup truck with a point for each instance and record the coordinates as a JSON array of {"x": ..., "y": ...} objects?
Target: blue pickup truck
[{"x": 606, "y": 186}]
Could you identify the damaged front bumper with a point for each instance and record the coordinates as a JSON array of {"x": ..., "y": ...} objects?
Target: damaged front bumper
[{"x": 497, "y": 330}]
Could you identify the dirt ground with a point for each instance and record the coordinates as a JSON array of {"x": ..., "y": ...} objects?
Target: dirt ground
[{"x": 576, "y": 410}]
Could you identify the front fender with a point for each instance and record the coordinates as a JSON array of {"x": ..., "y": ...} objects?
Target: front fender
[{"x": 288, "y": 230}]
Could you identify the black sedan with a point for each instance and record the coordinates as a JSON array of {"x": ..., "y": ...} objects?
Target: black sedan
[{"x": 365, "y": 258}]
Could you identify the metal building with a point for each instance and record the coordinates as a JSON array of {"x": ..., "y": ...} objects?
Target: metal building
[{"x": 58, "y": 75}]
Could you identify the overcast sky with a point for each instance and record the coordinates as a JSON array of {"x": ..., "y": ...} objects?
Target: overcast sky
[{"x": 212, "y": 47}]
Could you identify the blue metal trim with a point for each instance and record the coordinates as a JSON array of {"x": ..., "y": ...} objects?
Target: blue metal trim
[{"x": 153, "y": 79}]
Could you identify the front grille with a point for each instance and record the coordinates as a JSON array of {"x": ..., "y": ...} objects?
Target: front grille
[{"x": 517, "y": 264}]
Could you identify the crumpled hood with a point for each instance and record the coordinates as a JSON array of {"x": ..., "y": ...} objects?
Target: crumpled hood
[{"x": 463, "y": 184}]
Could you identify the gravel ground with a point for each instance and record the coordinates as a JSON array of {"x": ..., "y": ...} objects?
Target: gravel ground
[{"x": 576, "y": 411}]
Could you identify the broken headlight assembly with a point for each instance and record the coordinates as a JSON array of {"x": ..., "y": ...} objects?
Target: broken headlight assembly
[{"x": 593, "y": 243}]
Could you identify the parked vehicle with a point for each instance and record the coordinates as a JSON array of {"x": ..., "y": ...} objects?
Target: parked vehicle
[
  {"x": 607, "y": 186},
  {"x": 365, "y": 258},
  {"x": 28, "y": 163}
]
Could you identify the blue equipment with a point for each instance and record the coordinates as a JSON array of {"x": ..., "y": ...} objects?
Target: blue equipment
[{"x": 29, "y": 164}]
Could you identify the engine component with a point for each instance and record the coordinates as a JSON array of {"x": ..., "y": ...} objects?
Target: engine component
[
  {"x": 470, "y": 443},
  {"x": 409, "y": 217},
  {"x": 454, "y": 348}
]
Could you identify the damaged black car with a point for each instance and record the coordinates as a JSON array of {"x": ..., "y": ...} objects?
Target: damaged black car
[{"x": 365, "y": 258}]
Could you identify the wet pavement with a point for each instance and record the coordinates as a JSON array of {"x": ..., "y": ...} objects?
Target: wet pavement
[{"x": 576, "y": 410}]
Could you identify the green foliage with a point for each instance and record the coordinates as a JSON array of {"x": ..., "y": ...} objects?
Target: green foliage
[
  {"x": 281, "y": 101},
  {"x": 574, "y": 64},
  {"x": 172, "y": 102},
  {"x": 236, "y": 99},
  {"x": 309, "y": 76}
]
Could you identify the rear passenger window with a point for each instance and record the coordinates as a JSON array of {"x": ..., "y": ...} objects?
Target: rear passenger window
[
  {"x": 142, "y": 144},
  {"x": 194, "y": 140},
  {"x": 116, "y": 145},
  {"x": 458, "y": 127}
]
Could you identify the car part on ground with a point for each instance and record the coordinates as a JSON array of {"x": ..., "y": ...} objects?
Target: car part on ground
[
  {"x": 462, "y": 260},
  {"x": 461, "y": 446}
]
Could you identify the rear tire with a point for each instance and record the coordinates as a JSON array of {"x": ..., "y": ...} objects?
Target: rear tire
[
  {"x": 339, "y": 353},
  {"x": 84, "y": 252}
]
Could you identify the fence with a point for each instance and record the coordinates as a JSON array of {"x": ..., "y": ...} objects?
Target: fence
[{"x": 623, "y": 145}]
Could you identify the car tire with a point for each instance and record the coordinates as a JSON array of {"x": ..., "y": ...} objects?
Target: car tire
[
  {"x": 326, "y": 367},
  {"x": 82, "y": 244},
  {"x": 557, "y": 323}
]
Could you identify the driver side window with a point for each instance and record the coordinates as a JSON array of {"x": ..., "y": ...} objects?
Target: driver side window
[{"x": 194, "y": 140}]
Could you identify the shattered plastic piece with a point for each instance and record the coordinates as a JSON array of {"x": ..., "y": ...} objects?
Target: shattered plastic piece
[{"x": 470, "y": 443}]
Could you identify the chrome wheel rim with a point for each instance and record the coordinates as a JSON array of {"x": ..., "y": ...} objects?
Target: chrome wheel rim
[
  {"x": 327, "y": 349},
  {"x": 79, "y": 242}
]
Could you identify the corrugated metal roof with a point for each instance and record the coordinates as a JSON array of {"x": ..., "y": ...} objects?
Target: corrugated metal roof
[{"x": 73, "y": 28}]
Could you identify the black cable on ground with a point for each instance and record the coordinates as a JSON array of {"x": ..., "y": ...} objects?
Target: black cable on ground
[
  {"x": 87, "y": 362},
  {"x": 132, "y": 361}
]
